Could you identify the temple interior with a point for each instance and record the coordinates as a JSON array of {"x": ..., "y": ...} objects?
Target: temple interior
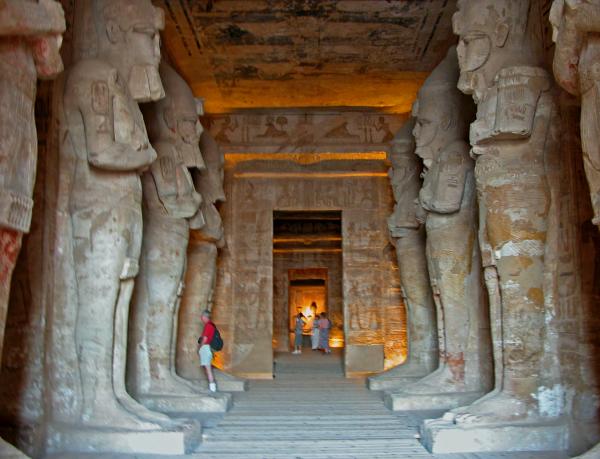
[{"x": 417, "y": 178}]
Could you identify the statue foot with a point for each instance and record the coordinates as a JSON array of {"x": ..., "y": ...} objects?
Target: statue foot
[
  {"x": 593, "y": 453},
  {"x": 193, "y": 387},
  {"x": 107, "y": 412},
  {"x": 501, "y": 408},
  {"x": 142, "y": 412},
  {"x": 454, "y": 413},
  {"x": 172, "y": 388},
  {"x": 440, "y": 381}
]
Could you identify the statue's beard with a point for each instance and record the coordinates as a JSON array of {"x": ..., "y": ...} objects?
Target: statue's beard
[
  {"x": 213, "y": 229},
  {"x": 191, "y": 155},
  {"x": 145, "y": 84}
]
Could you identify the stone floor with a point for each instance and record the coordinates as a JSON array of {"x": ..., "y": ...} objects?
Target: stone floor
[{"x": 310, "y": 411}]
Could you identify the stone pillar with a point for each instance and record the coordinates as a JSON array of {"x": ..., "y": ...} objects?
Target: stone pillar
[
  {"x": 576, "y": 59},
  {"x": 30, "y": 39},
  {"x": 576, "y": 26},
  {"x": 201, "y": 275},
  {"x": 170, "y": 201},
  {"x": 408, "y": 236},
  {"x": 514, "y": 140},
  {"x": 449, "y": 200},
  {"x": 104, "y": 147}
]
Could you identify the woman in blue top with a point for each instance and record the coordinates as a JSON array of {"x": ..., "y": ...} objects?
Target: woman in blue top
[
  {"x": 324, "y": 326},
  {"x": 298, "y": 332}
]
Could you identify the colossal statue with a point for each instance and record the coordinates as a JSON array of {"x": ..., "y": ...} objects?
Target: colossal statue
[
  {"x": 514, "y": 141},
  {"x": 30, "y": 39},
  {"x": 576, "y": 27},
  {"x": 104, "y": 147},
  {"x": 202, "y": 256},
  {"x": 170, "y": 201},
  {"x": 408, "y": 236},
  {"x": 448, "y": 197}
]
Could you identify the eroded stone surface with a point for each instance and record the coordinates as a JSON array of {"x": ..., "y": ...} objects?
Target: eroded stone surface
[
  {"x": 575, "y": 30},
  {"x": 99, "y": 227},
  {"x": 30, "y": 39},
  {"x": 170, "y": 203},
  {"x": 408, "y": 235},
  {"x": 514, "y": 142},
  {"x": 448, "y": 198},
  {"x": 201, "y": 276}
]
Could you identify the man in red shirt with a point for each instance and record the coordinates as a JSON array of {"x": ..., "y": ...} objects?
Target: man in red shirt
[{"x": 205, "y": 351}]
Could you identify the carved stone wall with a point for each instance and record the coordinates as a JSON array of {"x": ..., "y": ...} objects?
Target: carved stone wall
[
  {"x": 360, "y": 189},
  {"x": 303, "y": 130},
  {"x": 282, "y": 262}
]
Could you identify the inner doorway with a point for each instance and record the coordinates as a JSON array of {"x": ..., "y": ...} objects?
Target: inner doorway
[
  {"x": 307, "y": 296},
  {"x": 307, "y": 269}
]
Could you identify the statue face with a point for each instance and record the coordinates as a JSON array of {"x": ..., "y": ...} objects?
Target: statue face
[
  {"x": 187, "y": 129},
  {"x": 432, "y": 120},
  {"x": 400, "y": 150},
  {"x": 46, "y": 55},
  {"x": 481, "y": 31},
  {"x": 135, "y": 40}
]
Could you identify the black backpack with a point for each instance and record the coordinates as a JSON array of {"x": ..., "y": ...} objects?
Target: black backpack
[{"x": 216, "y": 343}]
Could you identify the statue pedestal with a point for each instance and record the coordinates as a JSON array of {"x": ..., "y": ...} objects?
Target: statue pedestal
[
  {"x": 402, "y": 401},
  {"x": 8, "y": 451},
  {"x": 225, "y": 382},
  {"x": 395, "y": 378},
  {"x": 440, "y": 436},
  {"x": 201, "y": 403},
  {"x": 82, "y": 439}
]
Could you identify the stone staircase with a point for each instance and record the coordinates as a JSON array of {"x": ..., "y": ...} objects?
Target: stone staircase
[{"x": 310, "y": 411}]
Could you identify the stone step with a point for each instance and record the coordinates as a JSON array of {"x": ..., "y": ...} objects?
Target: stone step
[{"x": 311, "y": 411}]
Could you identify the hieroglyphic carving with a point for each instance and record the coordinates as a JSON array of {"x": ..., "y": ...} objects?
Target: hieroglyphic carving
[{"x": 304, "y": 131}]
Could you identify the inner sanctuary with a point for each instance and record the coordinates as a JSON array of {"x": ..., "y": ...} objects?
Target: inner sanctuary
[{"x": 299, "y": 229}]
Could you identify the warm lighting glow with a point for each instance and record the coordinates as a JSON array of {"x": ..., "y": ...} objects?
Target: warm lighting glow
[
  {"x": 307, "y": 238},
  {"x": 310, "y": 175},
  {"x": 304, "y": 158},
  {"x": 336, "y": 342},
  {"x": 315, "y": 250},
  {"x": 395, "y": 360}
]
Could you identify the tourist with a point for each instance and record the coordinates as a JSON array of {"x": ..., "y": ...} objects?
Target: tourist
[
  {"x": 298, "y": 332},
  {"x": 314, "y": 339},
  {"x": 205, "y": 351},
  {"x": 324, "y": 326}
]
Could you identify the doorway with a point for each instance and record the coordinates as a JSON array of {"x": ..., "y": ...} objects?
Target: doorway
[
  {"x": 307, "y": 269},
  {"x": 309, "y": 297}
]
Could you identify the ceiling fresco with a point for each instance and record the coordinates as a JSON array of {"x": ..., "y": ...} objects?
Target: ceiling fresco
[{"x": 240, "y": 54}]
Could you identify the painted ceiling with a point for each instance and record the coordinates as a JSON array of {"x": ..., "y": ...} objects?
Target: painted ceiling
[{"x": 241, "y": 54}]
